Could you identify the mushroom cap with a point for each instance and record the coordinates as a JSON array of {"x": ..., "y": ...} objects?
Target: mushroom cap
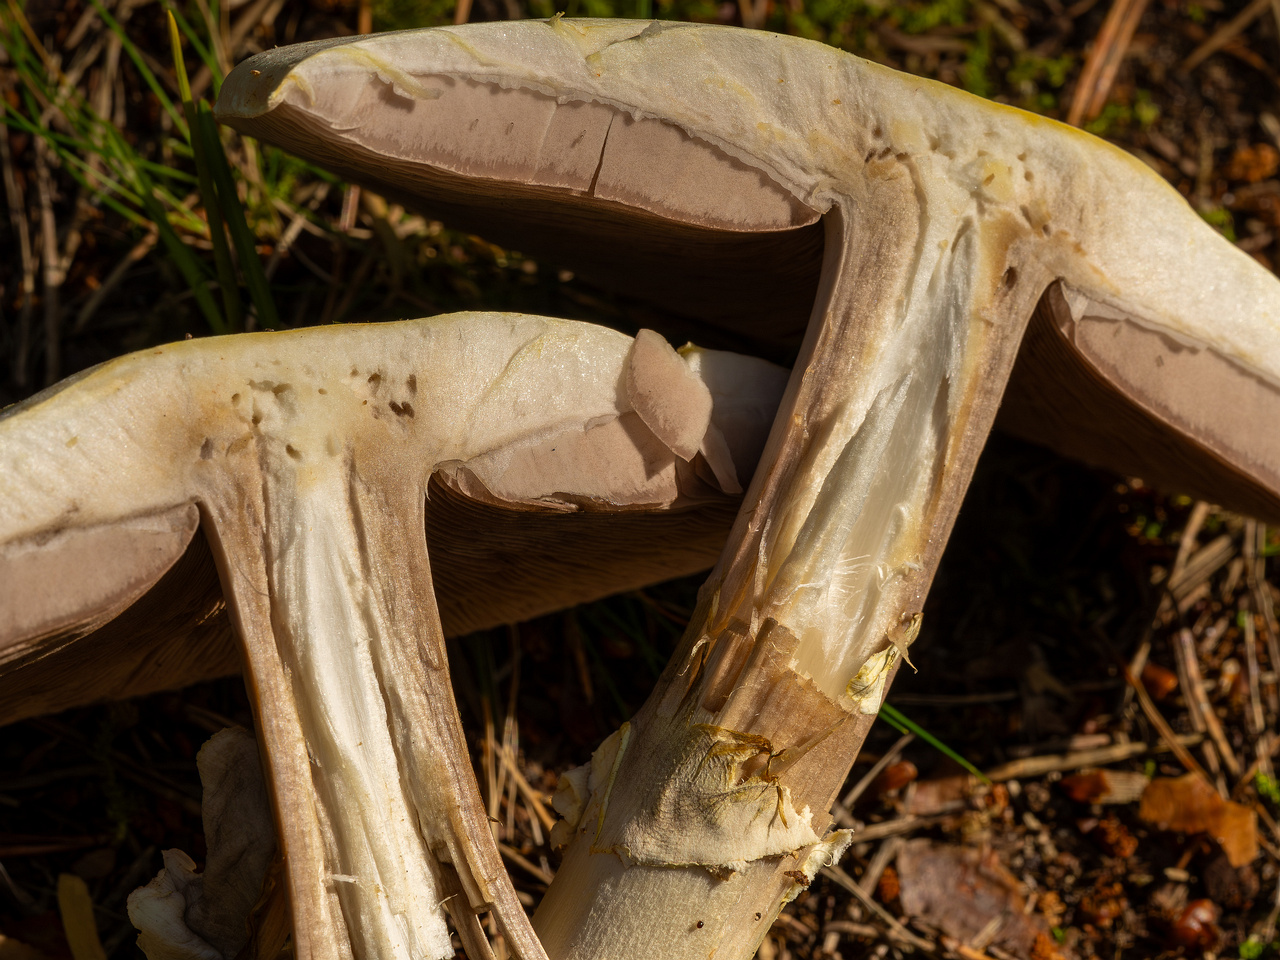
[
  {"x": 710, "y": 154},
  {"x": 527, "y": 435}
]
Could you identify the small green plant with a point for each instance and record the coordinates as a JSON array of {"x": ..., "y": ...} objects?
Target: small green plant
[
  {"x": 1256, "y": 947},
  {"x": 1267, "y": 788},
  {"x": 977, "y": 63},
  {"x": 1221, "y": 220}
]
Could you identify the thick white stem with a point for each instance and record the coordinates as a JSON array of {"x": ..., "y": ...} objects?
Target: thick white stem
[
  {"x": 716, "y": 813},
  {"x": 334, "y": 640}
]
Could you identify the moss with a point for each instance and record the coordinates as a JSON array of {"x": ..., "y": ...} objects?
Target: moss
[
  {"x": 1221, "y": 220},
  {"x": 974, "y": 73}
]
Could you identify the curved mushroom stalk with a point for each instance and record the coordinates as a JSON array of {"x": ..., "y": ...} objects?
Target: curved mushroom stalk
[
  {"x": 948, "y": 222},
  {"x": 308, "y": 455}
]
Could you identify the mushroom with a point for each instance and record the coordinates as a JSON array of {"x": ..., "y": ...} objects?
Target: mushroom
[
  {"x": 305, "y": 458},
  {"x": 134, "y": 606},
  {"x": 923, "y": 240}
]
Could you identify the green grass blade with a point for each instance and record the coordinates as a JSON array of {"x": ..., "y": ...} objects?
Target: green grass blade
[
  {"x": 198, "y": 45},
  {"x": 227, "y": 283},
  {"x": 241, "y": 237},
  {"x": 903, "y": 724},
  {"x": 179, "y": 64},
  {"x": 148, "y": 77},
  {"x": 182, "y": 257}
]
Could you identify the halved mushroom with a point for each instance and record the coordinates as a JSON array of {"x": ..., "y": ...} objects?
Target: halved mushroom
[
  {"x": 755, "y": 182},
  {"x": 305, "y": 457},
  {"x": 96, "y": 613}
]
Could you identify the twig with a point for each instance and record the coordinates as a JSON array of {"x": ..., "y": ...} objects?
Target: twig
[
  {"x": 1257, "y": 721},
  {"x": 1158, "y": 721},
  {"x": 18, "y": 221},
  {"x": 897, "y": 827},
  {"x": 350, "y": 208},
  {"x": 1269, "y": 123},
  {"x": 880, "y": 766},
  {"x": 52, "y": 275},
  {"x": 1201, "y": 565},
  {"x": 1225, "y": 34},
  {"x": 573, "y": 636},
  {"x": 1039, "y": 766},
  {"x": 462, "y": 13},
  {"x": 114, "y": 278},
  {"x": 1266, "y": 930},
  {"x": 896, "y": 930},
  {"x": 296, "y": 225},
  {"x": 1272, "y": 744},
  {"x": 1275, "y": 12},
  {"x": 528, "y": 866},
  {"x": 1256, "y": 578},
  {"x": 1189, "y": 533},
  {"x": 356, "y": 284},
  {"x": 1202, "y": 713},
  {"x": 875, "y": 869},
  {"x": 1103, "y": 62}
]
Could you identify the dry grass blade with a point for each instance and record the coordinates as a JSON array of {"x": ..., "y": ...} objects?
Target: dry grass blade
[
  {"x": 76, "y": 907},
  {"x": 1256, "y": 718},
  {"x": 1201, "y": 565},
  {"x": 1226, "y": 33},
  {"x": 1199, "y": 513},
  {"x": 1162, "y": 726},
  {"x": 200, "y": 148},
  {"x": 890, "y": 755},
  {"x": 532, "y": 797},
  {"x": 531, "y": 868},
  {"x": 1103, "y": 62},
  {"x": 114, "y": 279},
  {"x": 18, "y": 221},
  {"x": 896, "y": 930},
  {"x": 1076, "y": 760},
  {"x": 52, "y": 274},
  {"x": 1256, "y": 578},
  {"x": 1197, "y": 699}
]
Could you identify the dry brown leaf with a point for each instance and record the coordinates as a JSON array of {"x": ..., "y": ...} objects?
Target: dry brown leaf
[
  {"x": 1104, "y": 786},
  {"x": 943, "y": 795},
  {"x": 1188, "y": 804},
  {"x": 960, "y": 891},
  {"x": 1254, "y": 163}
]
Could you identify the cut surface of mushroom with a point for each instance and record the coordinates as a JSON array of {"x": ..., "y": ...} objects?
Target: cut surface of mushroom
[
  {"x": 946, "y": 221},
  {"x": 307, "y": 456},
  {"x": 95, "y": 612}
]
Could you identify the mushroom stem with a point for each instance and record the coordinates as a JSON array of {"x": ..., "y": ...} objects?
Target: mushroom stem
[
  {"x": 732, "y": 766},
  {"x": 332, "y": 590}
]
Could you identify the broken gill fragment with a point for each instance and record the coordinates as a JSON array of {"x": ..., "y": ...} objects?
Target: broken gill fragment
[
  {"x": 305, "y": 458},
  {"x": 904, "y": 236}
]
